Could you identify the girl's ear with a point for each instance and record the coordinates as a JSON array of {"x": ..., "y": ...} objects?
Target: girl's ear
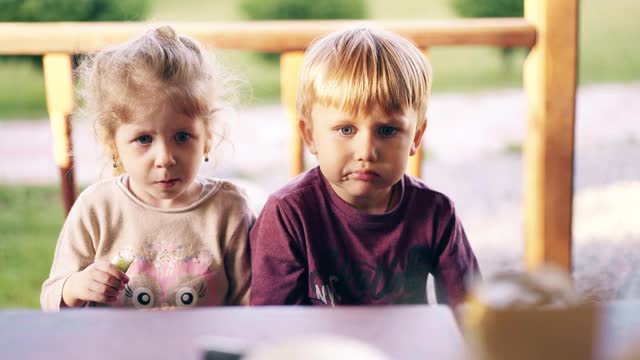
[
  {"x": 111, "y": 145},
  {"x": 115, "y": 158},
  {"x": 306, "y": 131},
  {"x": 208, "y": 140},
  {"x": 417, "y": 139}
]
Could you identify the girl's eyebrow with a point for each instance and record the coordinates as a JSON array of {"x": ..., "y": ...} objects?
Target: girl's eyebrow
[
  {"x": 185, "y": 128},
  {"x": 141, "y": 131}
]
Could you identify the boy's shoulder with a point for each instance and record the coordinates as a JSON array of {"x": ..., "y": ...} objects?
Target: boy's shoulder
[
  {"x": 301, "y": 195},
  {"x": 301, "y": 186},
  {"x": 418, "y": 191}
]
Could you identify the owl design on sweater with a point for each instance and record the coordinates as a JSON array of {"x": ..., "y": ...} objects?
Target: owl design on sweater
[{"x": 168, "y": 275}]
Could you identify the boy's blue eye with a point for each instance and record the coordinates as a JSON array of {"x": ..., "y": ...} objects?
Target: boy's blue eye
[
  {"x": 387, "y": 131},
  {"x": 182, "y": 136},
  {"x": 144, "y": 139},
  {"x": 346, "y": 130}
]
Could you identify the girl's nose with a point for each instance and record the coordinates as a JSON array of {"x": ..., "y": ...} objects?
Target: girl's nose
[{"x": 164, "y": 157}]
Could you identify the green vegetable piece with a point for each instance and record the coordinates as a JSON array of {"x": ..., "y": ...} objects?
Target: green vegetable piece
[{"x": 121, "y": 262}]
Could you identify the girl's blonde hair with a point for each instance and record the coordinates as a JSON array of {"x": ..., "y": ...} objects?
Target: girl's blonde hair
[
  {"x": 160, "y": 67},
  {"x": 357, "y": 69}
]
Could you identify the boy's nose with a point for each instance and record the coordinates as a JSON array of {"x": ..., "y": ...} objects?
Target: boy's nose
[
  {"x": 365, "y": 148},
  {"x": 164, "y": 157}
]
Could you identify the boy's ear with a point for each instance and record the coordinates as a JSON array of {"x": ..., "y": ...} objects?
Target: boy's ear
[
  {"x": 417, "y": 139},
  {"x": 307, "y": 135}
]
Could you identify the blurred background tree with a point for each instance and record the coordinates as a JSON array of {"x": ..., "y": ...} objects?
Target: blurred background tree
[
  {"x": 71, "y": 10},
  {"x": 302, "y": 9},
  {"x": 491, "y": 8}
]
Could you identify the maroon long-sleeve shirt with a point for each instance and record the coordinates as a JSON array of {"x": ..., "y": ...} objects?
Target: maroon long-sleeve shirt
[{"x": 308, "y": 246}]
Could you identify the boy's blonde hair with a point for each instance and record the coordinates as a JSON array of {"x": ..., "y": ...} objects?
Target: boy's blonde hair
[
  {"x": 357, "y": 69},
  {"x": 156, "y": 69}
]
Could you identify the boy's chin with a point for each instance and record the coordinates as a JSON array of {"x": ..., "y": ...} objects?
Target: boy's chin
[
  {"x": 353, "y": 190},
  {"x": 361, "y": 195}
]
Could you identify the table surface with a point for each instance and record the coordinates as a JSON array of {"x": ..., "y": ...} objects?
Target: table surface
[
  {"x": 400, "y": 332},
  {"x": 620, "y": 330}
]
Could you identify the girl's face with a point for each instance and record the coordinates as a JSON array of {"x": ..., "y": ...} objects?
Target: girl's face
[{"x": 161, "y": 151}]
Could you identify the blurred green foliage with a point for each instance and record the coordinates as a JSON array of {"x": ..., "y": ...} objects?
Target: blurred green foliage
[
  {"x": 488, "y": 8},
  {"x": 491, "y": 8},
  {"x": 73, "y": 10},
  {"x": 70, "y": 10},
  {"x": 302, "y": 9}
]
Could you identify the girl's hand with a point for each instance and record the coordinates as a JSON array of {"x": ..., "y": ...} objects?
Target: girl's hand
[{"x": 100, "y": 282}]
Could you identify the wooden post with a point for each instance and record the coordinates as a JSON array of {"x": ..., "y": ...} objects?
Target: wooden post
[
  {"x": 550, "y": 83},
  {"x": 290, "y": 64},
  {"x": 414, "y": 167},
  {"x": 59, "y": 90}
]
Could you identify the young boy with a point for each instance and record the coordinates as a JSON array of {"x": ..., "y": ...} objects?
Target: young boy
[{"x": 356, "y": 229}]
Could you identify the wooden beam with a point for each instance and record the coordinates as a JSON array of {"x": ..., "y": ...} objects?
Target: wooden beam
[
  {"x": 550, "y": 83},
  {"x": 271, "y": 36},
  {"x": 59, "y": 90},
  {"x": 290, "y": 65}
]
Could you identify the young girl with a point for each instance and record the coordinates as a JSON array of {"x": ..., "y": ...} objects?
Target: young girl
[{"x": 153, "y": 101}]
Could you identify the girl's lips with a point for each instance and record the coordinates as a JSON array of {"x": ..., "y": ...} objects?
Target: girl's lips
[{"x": 168, "y": 183}]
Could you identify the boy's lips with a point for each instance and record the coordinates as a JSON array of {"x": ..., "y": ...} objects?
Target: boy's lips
[{"x": 365, "y": 175}]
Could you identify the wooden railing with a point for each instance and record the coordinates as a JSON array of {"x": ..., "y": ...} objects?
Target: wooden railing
[{"x": 549, "y": 29}]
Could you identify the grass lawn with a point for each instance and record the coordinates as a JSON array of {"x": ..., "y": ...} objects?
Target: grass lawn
[
  {"x": 30, "y": 220},
  {"x": 607, "y": 52},
  {"x": 26, "y": 98}
]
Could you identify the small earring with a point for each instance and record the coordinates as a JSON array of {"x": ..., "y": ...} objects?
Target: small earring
[
  {"x": 206, "y": 158},
  {"x": 115, "y": 163}
]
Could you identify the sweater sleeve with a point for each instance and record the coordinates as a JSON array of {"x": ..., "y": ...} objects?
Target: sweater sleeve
[
  {"x": 456, "y": 263},
  {"x": 278, "y": 264},
  {"x": 237, "y": 262},
  {"x": 74, "y": 252}
]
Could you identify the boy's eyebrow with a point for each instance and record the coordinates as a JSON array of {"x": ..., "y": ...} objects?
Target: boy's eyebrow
[{"x": 395, "y": 118}]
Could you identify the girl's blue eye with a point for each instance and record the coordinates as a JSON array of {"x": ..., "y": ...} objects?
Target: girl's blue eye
[
  {"x": 182, "y": 136},
  {"x": 144, "y": 139},
  {"x": 387, "y": 131},
  {"x": 346, "y": 130}
]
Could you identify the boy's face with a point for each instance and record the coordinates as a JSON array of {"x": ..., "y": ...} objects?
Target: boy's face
[{"x": 362, "y": 156}]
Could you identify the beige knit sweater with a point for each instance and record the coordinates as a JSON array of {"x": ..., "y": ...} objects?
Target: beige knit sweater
[{"x": 193, "y": 256}]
